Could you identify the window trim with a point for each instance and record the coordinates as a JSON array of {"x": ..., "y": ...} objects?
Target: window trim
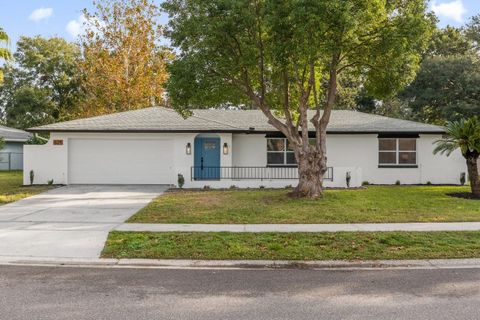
[
  {"x": 397, "y": 151},
  {"x": 285, "y": 151}
]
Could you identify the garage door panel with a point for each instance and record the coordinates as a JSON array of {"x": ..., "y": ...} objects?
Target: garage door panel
[{"x": 112, "y": 161}]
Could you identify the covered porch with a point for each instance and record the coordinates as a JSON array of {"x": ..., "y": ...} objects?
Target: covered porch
[{"x": 251, "y": 160}]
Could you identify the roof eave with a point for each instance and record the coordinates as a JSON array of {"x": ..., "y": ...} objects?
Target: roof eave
[
  {"x": 16, "y": 140},
  {"x": 39, "y": 130}
]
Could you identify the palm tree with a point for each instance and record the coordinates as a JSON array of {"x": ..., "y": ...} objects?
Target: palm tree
[
  {"x": 4, "y": 52},
  {"x": 464, "y": 135}
]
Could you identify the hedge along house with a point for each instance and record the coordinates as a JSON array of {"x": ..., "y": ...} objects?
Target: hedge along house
[
  {"x": 11, "y": 156},
  {"x": 221, "y": 148}
]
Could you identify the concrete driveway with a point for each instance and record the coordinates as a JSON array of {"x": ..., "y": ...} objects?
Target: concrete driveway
[{"x": 69, "y": 222}]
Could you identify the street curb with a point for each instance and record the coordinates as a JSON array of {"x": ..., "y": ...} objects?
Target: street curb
[{"x": 244, "y": 264}]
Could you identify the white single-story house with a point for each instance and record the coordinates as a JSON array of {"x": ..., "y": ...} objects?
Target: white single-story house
[
  {"x": 224, "y": 148},
  {"x": 11, "y": 156}
]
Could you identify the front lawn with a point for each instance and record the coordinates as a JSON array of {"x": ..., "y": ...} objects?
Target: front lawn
[
  {"x": 293, "y": 246},
  {"x": 373, "y": 204},
  {"x": 11, "y": 188}
]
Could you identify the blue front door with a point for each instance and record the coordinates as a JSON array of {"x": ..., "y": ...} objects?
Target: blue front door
[{"x": 207, "y": 159}]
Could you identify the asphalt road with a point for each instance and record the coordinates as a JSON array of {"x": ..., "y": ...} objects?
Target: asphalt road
[{"x": 98, "y": 293}]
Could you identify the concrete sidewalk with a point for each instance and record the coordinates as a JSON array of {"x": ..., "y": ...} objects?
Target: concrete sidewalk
[{"x": 358, "y": 227}]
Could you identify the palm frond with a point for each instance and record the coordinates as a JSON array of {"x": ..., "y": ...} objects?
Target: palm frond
[{"x": 463, "y": 135}]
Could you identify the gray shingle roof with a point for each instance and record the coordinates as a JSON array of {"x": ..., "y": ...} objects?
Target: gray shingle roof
[
  {"x": 11, "y": 134},
  {"x": 158, "y": 119}
]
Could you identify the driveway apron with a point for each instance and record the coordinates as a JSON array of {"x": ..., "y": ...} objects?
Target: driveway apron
[{"x": 71, "y": 221}]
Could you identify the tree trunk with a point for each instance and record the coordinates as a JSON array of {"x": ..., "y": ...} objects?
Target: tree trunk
[
  {"x": 311, "y": 169},
  {"x": 472, "y": 165}
]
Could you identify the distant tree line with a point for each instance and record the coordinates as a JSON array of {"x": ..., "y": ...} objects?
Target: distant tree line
[
  {"x": 447, "y": 85},
  {"x": 118, "y": 64}
]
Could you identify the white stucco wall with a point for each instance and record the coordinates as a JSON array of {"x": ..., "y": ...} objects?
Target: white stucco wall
[
  {"x": 47, "y": 162},
  {"x": 51, "y": 161},
  {"x": 362, "y": 151},
  {"x": 357, "y": 154}
]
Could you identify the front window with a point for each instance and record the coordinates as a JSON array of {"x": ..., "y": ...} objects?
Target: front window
[
  {"x": 279, "y": 152},
  {"x": 397, "y": 151}
]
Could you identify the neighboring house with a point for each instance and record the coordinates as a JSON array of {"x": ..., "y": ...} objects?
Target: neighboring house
[
  {"x": 221, "y": 148},
  {"x": 11, "y": 156}
]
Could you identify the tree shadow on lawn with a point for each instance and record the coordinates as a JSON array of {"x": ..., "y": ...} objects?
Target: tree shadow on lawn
[{"x": 463, "y": 195}]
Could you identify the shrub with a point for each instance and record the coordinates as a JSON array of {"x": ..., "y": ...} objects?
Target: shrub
[
  {"x": 262, "y": 187},
  {"x": 429, "y": 183},
  {"x": 206, "y": 187},
  {"x": 50, "y": 182},
  {"x": 397, "y": 183},
  {"x": 348, "y": 178},
  {"x": 365, "y": 183},
  {"x": 32, "y": 177},
  {"x": 463, "y": 178},
  {"x": 181, "y": 180},
  {"x": 233, "y": 186}
]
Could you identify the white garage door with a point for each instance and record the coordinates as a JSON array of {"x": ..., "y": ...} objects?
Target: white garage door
[{"x": 112, "y": 161}]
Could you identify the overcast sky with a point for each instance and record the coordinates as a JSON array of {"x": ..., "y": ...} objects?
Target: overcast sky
[{"x": 63, "y": 17}]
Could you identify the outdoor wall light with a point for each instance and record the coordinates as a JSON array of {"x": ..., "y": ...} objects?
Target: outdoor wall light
[
  {"x": 188, "y": 148},
  {"x": 225, "y": 148}
]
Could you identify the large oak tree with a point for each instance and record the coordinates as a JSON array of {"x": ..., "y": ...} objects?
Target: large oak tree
[{"x": 285, "y": 57}]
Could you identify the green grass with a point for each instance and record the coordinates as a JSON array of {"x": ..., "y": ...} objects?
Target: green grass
[
  {"x": 373, "y": 204},
  {"x": 11, "y": 188},
  {"x": 293, "y": 246}
]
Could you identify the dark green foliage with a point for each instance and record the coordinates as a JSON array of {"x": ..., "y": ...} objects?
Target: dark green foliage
[
  {"x": 348, "y": 178},
  {"x": 181, "y": 180},
  {"x": 463, "y": 178},
  {"x": 42, "y": 86},
  {"x": 446, "y": 88},
  {"x": 447, "y": 85},
  {"x": 449, "y": 41},
  {"x": 32, "y": 177}
]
